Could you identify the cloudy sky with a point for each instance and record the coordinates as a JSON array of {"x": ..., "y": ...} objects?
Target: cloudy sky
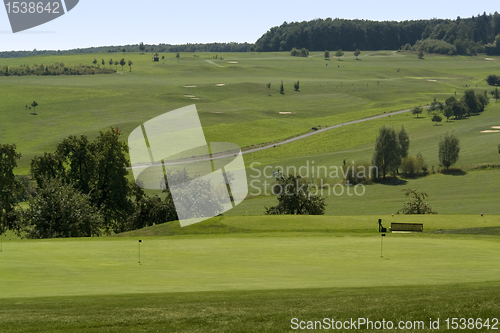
[{"x": 114, "y": 22}]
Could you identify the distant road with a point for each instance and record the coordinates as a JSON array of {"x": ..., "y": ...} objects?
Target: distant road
[{"x": 300, "y": 137}]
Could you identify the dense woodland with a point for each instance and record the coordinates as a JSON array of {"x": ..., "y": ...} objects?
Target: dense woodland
[{"x": 466, "y": 36}]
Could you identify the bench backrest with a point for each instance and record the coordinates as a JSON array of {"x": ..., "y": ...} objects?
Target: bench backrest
[{"x": 416, "y": 227}]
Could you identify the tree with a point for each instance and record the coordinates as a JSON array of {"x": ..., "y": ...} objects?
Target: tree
[
  {"x": 327, "y": 55},
  {"x": 282, "y": 89},
  {"x": 177, "y": 55},
  {"x": 59, "y": 210},
  {"x": 416, "y": 110},
  {"x": 152, "y": 210},
  {"x": 296, "y": 86},
  {"x": 449, "y": 148},
  {"x": 34, "y": 105},
  {"x": 416, "y": 203},
  {"x": 110, "y": 62},
  {"x": 142, "y": 47},
  {"x": 103, "y": 62},
  {"x": 496, "y": 94},
  {"x": 437, "y": 118},
  {"x": 448, "y": 112},
  {"x": 499, "y": 148},
  {"x": 122, "y": 62},
  {"x": 268, "y": 88},
  {"x": 357, "y": 53},
  {"x": 404, "y": 141},
  {"x": 95, "y": 61},
  {"x": 10, "y": 188},
  {"x": 116, "y": 64},
  {"x": 420, "y": 55},
  {"x": 339, "y": 53},
  {"x": 387, "y": 154},
  {"x": 471, "y": 101},
  {"x": 493, "y": 80},
  {"x": 295, "y": 197},
  {"x": 130, "y": 65}
]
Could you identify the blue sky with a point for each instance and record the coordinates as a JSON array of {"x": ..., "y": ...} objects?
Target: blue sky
[{"x": 113, "y": 22}]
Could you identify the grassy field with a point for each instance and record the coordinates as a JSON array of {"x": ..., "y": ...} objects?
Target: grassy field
[{"x": 244, "y": 272}]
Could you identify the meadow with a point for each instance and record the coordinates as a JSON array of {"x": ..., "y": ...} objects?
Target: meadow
[{"x": 245, "y": 272}]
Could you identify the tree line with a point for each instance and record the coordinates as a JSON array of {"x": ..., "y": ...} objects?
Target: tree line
[
  {"x": 55, "y": 69},
  {"x": 79, "y": 190},
  {"x": 465, "y": 34}
]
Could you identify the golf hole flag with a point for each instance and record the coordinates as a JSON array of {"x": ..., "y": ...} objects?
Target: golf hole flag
[
  {"x": 171, "y": 151},
  {"x": 27, "y": 14}
]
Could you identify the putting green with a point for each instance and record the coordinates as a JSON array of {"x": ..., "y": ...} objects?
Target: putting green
[{"x": 258, "y": 261}]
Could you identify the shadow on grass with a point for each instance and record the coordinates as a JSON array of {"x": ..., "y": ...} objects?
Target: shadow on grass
[
  {"x": 392, "y": 181},
  {"x": 454, "y": 172},
  {"x": 489, "y": 231}
]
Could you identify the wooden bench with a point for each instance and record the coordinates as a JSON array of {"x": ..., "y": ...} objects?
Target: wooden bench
[{"x": 407, "y": 227}]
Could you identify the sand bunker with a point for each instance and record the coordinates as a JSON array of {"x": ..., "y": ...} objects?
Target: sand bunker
[
  {"x": 194, "y": 98},
  {"x": 489, "y": 59},
  {"x": 232, "y": 62},
  {"x": 218, "y": 112},
  {"x": 190, "y": 96},
  {"x": 189, "y": 86},
  {"x": 491, "y": 131},
  {"x": 495, "y": 127},
  {"x": 285, "y": 113},
  {"x": 432, "y": 80},
  {"x": 220, "y": 84}
]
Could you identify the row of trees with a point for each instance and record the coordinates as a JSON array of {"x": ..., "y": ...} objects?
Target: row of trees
[
  {"x": 82, "y": 189},
  {"x": 122, "y": 63},
  {"x": 55, "y": 69},
  {"x": 334, "y": 34}
]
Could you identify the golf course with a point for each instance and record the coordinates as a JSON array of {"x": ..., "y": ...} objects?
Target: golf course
[{"x": 245, "y": 271}]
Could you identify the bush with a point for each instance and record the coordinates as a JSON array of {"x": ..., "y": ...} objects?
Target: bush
[
  {"x": 411, "y": 166},
  {"x": 358, "y": 172},
  {"x": 299, "y": 53},
  {"x": 435, "y": 46},
  {"x": 493, "y": 80}
]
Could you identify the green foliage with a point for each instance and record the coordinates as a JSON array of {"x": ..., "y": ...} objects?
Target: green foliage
[
  {"x": 282, "y": 89},
  {"x": 151, "y": 211},
  {"x": 295, "y": 197},
  {"x": 357, "y": 53},
  {"x": 449, "y": 149},
  {"x": 296, "y": 86},
  {"x": 387, "y": 154},
  {"x": 411, "y": 166},
  {"x": 448, "y": 112},
  {"x": 59, "y": 210},
  {"x": 130, "y": 64},
  {"x": 404, "y": 141},
  {"x": 436, "y": 118},
  {"x": 358, "y": 173},
  {"x": 327, "y": 55},
  {"x": 142, "y": 47},
  {"x": 434, "y": 46},
  {"x": 122, "y": 62},
  {"x": 178, "y": 55},
  {"x": 417, "y": 110},
  {"x": 110, "y": 62},
  {"x": 416, "y": 203},
  {"x": 10, "y": 188},
  {"x": 299, "y": 53},
  {"x": 493, "y": 80},
  {"x": 34, "y": 104},
  {"x": 95, "y": 169},
  {"x": 95, "y": 61},
  {"x": 339, "y": 53},
  {"x": 495, "y": 93},
  {"x": 420, "y": 55},
  {"x": 103, "y": 62},
  {"x": 56, "y": 69}
]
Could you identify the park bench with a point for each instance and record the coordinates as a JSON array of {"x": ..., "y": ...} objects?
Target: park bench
[{"x": 407, "y": 227}]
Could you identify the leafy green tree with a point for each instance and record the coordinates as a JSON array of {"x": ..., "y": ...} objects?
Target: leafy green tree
[
  {"x": 151, "y": 211},
  {"x": 130, "y": 65},
  {"x": 142, "y": 47},
  {"x": 460, "y": 109},
  {"x": 357, "y": 53},
  {"x": 295, "y": 197},
  {"x": 339, "y": 53},
  {"x": 496, "y": 94},
  {"x": 387, "y": 154},
  {"x": 448, "y": 112},
  {"x": 416, "y": 110},
  {"x": 470, "y": 100},
  {"x": 304, "y": 52},
  {"x": 178, "y": 55},
  {"x": 103, "y": 62},
  {"x": 415, "y": 203},
  {"x": 60, "y": 210},
  {"x": 420, "y": 55},
  {"x": 449, "y": 149},
  {"x": 116, "y": 64},
  {"x": 268, "y": 88},
  {"x": 110, "y": 62},
  {"x": 437, "y": 118},
  {"x": 296, "y": 86},
  {"x": 10, "y": 188},
  {"x": 404, "y": 141},
  {"x": 122, "y": 62},
  {"x": 282, "y": 89},
  {"x": 327, "y": 55},
  {"x": 95, "y": 61},
  {"x": 34, "y": 105}
]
